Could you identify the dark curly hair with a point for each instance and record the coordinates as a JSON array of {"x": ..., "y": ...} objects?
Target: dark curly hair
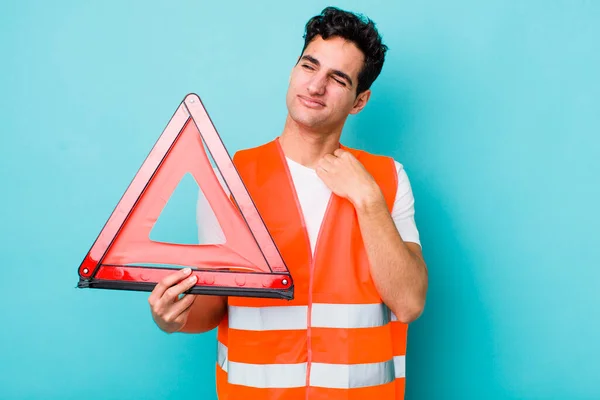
[{"x": 355, "y": 28}]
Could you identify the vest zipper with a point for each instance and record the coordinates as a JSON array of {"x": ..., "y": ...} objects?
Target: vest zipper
[
  {"x": 312, "y": 258},
  {"x": 308, "y": 326}
]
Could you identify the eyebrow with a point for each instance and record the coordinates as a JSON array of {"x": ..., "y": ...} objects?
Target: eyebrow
[{"x": 336, "y": 72}]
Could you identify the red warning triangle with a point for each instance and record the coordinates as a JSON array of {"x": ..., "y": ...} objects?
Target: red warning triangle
[{"x": 123, "y": 256}]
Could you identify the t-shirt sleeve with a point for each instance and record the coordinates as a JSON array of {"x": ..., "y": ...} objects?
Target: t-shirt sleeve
[{"x": 403, "y": 211}]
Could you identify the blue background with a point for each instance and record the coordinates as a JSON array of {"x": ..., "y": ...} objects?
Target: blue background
[{"x": 493, "y": 108}]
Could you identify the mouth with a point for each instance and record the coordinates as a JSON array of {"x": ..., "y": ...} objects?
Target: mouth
[{"x": 310, "y": 102}]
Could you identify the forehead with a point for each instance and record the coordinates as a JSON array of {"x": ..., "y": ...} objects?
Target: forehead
[{"x": 336, "y": 53}]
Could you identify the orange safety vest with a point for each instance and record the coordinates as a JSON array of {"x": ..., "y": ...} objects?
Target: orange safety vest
[{"x": 336, "y": 339}]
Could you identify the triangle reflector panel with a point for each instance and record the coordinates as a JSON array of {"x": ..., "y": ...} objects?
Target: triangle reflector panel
[{"x": 124, "y": 257}]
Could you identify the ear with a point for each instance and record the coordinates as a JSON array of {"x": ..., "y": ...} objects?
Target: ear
[{"x": 361, "y": 101}]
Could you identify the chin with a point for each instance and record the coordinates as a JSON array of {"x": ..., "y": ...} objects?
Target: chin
[
  {"x": 305, "y": 117},
  {"x": 308, "y": 121}
]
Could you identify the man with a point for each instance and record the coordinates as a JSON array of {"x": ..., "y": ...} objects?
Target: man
[{"x": 343, "y": 220}]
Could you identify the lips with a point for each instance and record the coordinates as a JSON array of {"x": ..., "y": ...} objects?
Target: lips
[{"x": 310, "y": 102}]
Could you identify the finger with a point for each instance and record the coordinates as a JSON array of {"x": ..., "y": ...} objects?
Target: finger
[
  {"x": 325, "y": 177},
  {"x": 330, "y": 158},
  {"x": 320, "y": 172},
  {"x": 181, "y": 306},
  {"x": 167, "y": 282},
  {"x": 344, "y": 155},
  {"x": 339, "y": 152},
  {"x": 172, "y": 294},
  {"x": 324, "y": 164}
]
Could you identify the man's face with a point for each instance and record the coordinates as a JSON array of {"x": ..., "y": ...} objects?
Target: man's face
[{"x": 322, "y": 89}]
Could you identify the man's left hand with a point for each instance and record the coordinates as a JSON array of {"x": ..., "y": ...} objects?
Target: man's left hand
[{"x": 348, "y": 178}]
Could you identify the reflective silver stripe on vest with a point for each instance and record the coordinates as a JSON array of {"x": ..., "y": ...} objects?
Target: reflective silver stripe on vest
[
  {"x": 267, "y": 375},
  {"x": 222, "y": 356},
  {"x": 400, "y": 366},
  {"x": 267, "y": 318},
  {"x": 261, "y": 375},
  {"x": 336, "y": 376},
  {"x": 349, "y": 315},
  {"x": 344, "y": 376},
  {"x": 295, "y": 317}
]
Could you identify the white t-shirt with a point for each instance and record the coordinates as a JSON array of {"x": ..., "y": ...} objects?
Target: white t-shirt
[{"x": 313, "y": 196}]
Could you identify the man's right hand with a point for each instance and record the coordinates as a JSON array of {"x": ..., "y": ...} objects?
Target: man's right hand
[{"x": 169, "y": 311}]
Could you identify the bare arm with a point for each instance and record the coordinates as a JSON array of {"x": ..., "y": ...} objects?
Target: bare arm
[
  {"x": 206, "y": 313},
  {"x": 397, "y": 268}
]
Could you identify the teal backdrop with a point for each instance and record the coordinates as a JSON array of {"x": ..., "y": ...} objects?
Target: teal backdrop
[{"x": 493, "y": 108}]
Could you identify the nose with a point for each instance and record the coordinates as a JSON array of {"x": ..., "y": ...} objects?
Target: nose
[{"x": 316, "y": 86}]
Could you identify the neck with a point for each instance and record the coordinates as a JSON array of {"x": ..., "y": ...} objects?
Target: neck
[{"x": 306, "y": 146}]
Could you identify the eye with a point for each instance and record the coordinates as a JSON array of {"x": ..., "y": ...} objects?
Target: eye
[
  {"x": 340, "y": 82},
  {"x": 306, "y": 66}
]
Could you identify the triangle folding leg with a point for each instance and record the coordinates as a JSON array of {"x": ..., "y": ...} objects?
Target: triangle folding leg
[{"x": 123, "y": 256}]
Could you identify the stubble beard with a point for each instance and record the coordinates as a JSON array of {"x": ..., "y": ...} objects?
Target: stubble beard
[{"x": 309, "y": 119}]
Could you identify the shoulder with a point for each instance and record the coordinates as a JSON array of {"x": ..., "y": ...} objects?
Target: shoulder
[
  {"x": 257, "y": 164},
  {"x": 400, "y": 172},
  {"x": 250, "y": 152},
  {"x": 382, "y": 160},
  {"x": 383, "y": 164},
  {"x": 389, "y": 166},
  {"x": 374, "y": 160},
  {"x": 382, "y": 168}
]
